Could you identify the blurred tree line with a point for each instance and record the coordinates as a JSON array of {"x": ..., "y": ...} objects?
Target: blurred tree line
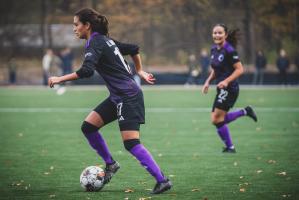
[{"x": 166, "y": 30}]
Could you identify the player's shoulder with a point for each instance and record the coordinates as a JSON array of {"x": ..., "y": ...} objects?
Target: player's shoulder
[
  {"x": 229, "y": 48},
  {"x": 98, "y": 41},
  {"x": 213, "y": 48}
]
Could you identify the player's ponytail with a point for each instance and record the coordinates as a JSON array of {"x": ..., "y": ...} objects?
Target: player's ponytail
[
  {"x": 103, "y": 25},
  {"x": 232, "y": 35},
  {"x": 98, "y": 22}
]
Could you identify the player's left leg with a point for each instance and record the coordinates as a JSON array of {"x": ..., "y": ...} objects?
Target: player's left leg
[
  {"x": 133, "y": 145},
  {"x": 231, "y": 116},
  {"x": 247, "y": 111}
]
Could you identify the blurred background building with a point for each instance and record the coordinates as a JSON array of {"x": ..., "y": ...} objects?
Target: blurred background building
[{"x": 168, "y": 31}]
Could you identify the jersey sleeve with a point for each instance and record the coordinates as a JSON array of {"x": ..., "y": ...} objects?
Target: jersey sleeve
[
  {"x": 92, "y": 56},
  {"x": 127, "y": 49},
  {"x": 234, "y": 57}
]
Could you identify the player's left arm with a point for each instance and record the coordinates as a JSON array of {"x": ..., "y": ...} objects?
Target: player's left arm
[
  {"x": 133, "y": 51},
  {"x": 148, "y": 77},
  {"x": 127, "y": 49}
]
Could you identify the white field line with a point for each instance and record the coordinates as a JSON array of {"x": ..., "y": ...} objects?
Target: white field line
[
  {"x": 152, "y": 87},
  {"x": 149, "y": 110}
]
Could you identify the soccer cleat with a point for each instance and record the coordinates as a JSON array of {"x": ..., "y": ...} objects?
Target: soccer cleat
[
  {"x": 110, "y": 170},
  {"x": 162, "y": 187},
  {"x": 229, "y": 150},
  {"x": 250, "y": 113}
]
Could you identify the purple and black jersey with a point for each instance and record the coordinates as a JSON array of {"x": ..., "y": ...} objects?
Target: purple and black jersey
[
  {"x": 222, "y": 61},
  {"x": 105, "y": 56}
]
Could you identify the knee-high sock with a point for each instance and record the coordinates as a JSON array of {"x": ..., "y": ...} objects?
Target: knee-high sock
[
  {"x": 224, "y": 134},
  {"x": 98, "y": 143},
  {"x": 147, "y": 161},
  {"x": 231, "y": 116}
]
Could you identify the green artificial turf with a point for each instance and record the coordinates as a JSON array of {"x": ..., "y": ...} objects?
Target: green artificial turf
[{"x": 42, "y": 149}]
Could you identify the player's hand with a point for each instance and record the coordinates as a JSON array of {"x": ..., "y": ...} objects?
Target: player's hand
[
  {"x": 148, "y": 77},
  {"x": 222, "y": 84},
  {"x": 205, "y": 88},
  {"x": 53, "y": 80}
]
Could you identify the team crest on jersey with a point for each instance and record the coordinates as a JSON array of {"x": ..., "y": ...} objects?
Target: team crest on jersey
[
  {"x": 88, "y": 54},
  {"x": 221, "y": 57}
]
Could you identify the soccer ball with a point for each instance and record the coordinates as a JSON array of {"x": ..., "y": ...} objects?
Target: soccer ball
[{"x": 92, "y": 178}]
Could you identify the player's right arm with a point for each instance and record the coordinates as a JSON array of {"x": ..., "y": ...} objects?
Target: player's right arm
[
  {"x": 205, "y": 87},
  {"x": 60, "y": 79},
  {"x": 92, "y": 56}
]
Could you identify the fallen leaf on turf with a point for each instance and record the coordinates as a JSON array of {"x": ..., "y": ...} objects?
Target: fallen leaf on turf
[
  {"x": 171, "y": 175},
  {"x": 282, "y": 173},
  {"x": 126, "y": 198},
  {"x": 195, "y": 190},
  {"x": 129, "y": 190},
  {"x": 148, "y": 189},
  {"x": 160, "y": 155},
  {"x": 259, "y": 171},
  {"x": 286, "y": 195},
  {"x": 20, "y": 134},
  {"x": 51, "y": 168},
  {"x": 142, "y": 182},
  {"x": 235, "y": 163},
  {"x": 242, "y": 189},
  {"x": 145, "y": 198},
  {"x": 241, "y": 177},
  {"x": 271, "y": 161},
  {"x": 259, "y": 158},
  {"x": 46, "y": 173},
  {"x": 52, "y": 195}
]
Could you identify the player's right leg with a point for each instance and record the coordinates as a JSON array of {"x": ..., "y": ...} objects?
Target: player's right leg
[
  {"x": 102, "y": 115},
  {"x": 217, "y": 118}
]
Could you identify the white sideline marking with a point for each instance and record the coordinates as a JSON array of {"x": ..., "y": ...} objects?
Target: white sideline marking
[{"x": 150, "y": 110}]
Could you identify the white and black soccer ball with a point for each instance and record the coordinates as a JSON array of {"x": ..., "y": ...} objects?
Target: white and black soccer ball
[{"x": 92, "y": 178}]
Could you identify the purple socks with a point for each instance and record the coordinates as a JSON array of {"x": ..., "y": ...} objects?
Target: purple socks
[
  {"x": 223, "y": 132},
  {"x": 231, "y": 116},
  {"x": 98, "y": 143},
  {"x": 147, "y": 161}
]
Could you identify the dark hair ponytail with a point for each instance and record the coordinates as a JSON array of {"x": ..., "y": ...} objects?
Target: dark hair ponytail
[
  {"x": 232, "y": 35},
  {"x": 98, "y": 22}
]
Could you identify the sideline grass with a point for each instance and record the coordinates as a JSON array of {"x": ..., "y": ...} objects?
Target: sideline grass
[{"x": 43, "y": 153}]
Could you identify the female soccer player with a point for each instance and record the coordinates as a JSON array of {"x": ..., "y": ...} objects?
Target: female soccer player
[
  {"x": 226, "y": 68},
  {"x": 125, "y": 102}
]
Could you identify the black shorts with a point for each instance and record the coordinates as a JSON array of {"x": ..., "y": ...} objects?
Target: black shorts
[
  {"x": 129, "y": 112},
  {"x": 225, "y": 98}
]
